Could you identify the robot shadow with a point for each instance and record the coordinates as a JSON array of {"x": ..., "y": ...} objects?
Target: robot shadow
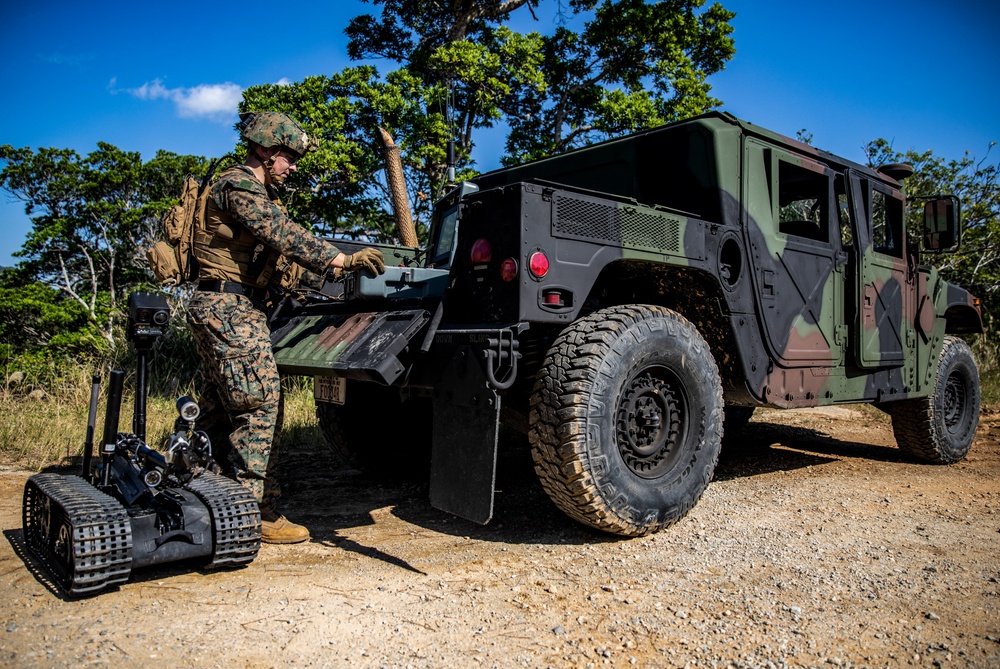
[{"x": 36, "y": 567}]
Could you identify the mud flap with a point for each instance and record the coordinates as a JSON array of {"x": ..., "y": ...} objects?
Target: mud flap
[{"x": 464, "y": 450}]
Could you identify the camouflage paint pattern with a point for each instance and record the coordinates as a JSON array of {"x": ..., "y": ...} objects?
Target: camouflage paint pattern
[
  {"x": 242, "y": 389},
  {"x": 769, "y": 246},
  {"x": 247, "y": 230},
  {"x": 269, "y": 129},
  {"x": 790, "y": 262},
  {"x": 815, "y": 316}
]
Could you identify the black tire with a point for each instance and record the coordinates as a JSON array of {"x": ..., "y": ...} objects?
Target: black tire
[
  {"x": 626, "y": 419},
  {"x": 735, "y": 418},
  {"x": 939, "y": 429},
  {"x": 378, "y": 431}
]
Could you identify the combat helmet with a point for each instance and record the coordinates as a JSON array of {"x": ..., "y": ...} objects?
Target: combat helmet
[{"x": 269, "y": 129}]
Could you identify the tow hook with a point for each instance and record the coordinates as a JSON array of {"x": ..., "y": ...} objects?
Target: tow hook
[{"x": 501, "y": 360}]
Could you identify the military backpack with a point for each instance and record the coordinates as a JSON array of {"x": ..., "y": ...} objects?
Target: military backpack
[{"x": 172, "y": 260}]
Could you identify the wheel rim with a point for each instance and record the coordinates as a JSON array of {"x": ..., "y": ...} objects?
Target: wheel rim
[
  {"x": 649, "y": 422},
  {"x": 956, "y": 404},
  {"x": 63, "y": 545},
  {"x": 61, "y": 556}
]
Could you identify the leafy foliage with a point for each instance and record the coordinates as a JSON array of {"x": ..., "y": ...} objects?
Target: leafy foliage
[
  {"x": 634, "y": 65},
  {"x": 976, "y": 265},
  {"x": 33, "y": 317},
  {"x": 339, "y": 188},
  {"x": 461, "y": 69},
  {"x": 92, "y": 217}
]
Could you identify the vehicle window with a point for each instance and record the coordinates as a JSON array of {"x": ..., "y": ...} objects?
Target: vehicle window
[
  {"x": 803, "y": 202},
  {"x": 843, "y": 211},
  {"x": 887, "y": 224},
  {"x": 444, "y": 234}
]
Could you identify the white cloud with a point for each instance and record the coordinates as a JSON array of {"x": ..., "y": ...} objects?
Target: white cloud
[
  {"x": 203, "y": 101},
  {"x": 77, "y": 61}
]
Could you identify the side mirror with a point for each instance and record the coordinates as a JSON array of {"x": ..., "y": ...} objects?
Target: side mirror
[{"x": 941, "y": 223}]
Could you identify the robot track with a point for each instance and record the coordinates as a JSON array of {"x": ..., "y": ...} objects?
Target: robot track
[
  {"x": 82, "y": 535},
  {"x": 236, "y": 525},
  {"x": 85, "y": 538}
]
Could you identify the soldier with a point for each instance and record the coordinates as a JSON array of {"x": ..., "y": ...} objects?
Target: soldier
[{"x": 248, "y": 242}]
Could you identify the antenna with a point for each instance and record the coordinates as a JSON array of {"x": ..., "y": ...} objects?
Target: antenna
[{"x": 449, "y": 106}]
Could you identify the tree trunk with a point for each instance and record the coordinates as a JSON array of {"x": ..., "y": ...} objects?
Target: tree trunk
[{"x": 397, "y": 191}]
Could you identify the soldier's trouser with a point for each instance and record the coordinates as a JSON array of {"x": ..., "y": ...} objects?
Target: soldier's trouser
[{"x": 234, "y": 344}]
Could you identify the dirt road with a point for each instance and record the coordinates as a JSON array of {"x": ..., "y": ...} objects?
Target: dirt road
[{"x": 817, "y": 544}]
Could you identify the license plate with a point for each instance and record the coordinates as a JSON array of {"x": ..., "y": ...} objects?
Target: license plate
[{"x": 330, "y": 389}]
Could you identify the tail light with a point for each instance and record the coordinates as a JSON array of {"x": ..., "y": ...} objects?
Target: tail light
[
  {"x": 538, "y": 264},
  {"x": 508, "y": 270},
  {"x": 482, "y": 252}
]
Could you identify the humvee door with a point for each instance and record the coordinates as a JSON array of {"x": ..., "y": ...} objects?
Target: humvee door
[
  {"x": 886, "y": 288},
  {"x": 798, "y": 262}
]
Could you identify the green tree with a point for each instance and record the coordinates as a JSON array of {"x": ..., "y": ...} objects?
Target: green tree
[
  {"x": 976, "y": 265},
  {"x": 33, "y": 316},
  {"x": 634, "y": 65},
  {"x": 340, "y": 187},
  {"x": 631, "y": 65},
  {"x": 92, "y": 219}
]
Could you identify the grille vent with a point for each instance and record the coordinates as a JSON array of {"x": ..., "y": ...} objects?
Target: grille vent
[{"x": 624, "y": 225}]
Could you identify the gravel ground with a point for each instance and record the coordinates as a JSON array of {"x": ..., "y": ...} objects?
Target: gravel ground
[{"x": 818, "y": 544}]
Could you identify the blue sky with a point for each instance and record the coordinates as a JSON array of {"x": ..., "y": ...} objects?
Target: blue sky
[{"x": 145, "y": 76}]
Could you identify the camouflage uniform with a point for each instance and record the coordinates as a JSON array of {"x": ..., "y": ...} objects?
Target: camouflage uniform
[{"x": 248, "y": 234}]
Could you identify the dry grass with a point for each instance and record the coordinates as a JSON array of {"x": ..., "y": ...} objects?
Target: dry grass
[
  {"x": 37, "y": 433},
  {"x": 300, "y": 427},
  {"x": 988, "y": 357}
]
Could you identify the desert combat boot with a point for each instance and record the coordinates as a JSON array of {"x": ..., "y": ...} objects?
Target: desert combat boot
[{"x": 276, "y": 529}]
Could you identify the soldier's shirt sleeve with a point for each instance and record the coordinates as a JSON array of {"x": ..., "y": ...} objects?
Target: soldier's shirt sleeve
[
  {"x": 312, "y": 280},
  {"x": 247, "y": 202}
]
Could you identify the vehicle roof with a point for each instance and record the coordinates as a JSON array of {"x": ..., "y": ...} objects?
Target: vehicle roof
[{"x": 715, "y": 119}]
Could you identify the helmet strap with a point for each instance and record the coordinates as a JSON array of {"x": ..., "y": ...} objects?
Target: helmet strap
[{"x": 268, "y": 165}]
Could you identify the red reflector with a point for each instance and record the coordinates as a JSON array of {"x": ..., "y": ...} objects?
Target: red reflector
[
  {"x": 508, "y": 269},
  {"x": 553, "y": 298},
  {"x": 482, "y": 252},
  {"x": 538, "y": 264}
]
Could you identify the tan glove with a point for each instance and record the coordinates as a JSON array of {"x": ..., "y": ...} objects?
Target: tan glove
[{"x": 369, "y": 259}]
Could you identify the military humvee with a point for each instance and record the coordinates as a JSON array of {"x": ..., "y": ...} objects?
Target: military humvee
[{"x": 623, "y": 302}]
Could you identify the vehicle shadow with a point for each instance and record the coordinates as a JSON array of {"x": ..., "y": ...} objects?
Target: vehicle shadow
[
  {"x": 761, "y": 448},
  {"x": 326, "y": 495},
  {"x": 329, "y": 497}
]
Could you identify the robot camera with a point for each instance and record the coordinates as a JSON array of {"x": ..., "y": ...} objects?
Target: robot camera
[{"x": 148, "y": 316}]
